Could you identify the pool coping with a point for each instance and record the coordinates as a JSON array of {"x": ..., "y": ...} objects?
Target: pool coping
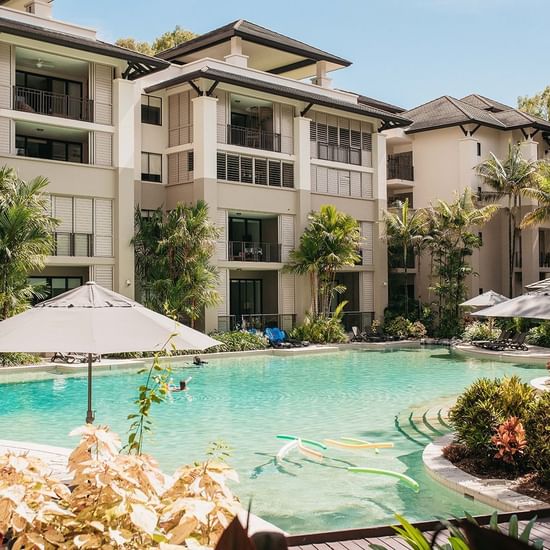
[
  {"x": 494, "y": 492},
  {"x": 541, "y": 384}
]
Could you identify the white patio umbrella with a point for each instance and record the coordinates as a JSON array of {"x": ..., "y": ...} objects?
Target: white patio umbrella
[
  {"x": 534, "y": 305},
  {"x": 93, "y": 320},
  {"x": 544, "y": 284},
  {"x": 487, "y": 299}
]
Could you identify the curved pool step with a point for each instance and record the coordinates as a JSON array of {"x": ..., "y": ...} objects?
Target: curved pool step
[{"x": 422, "y": 427}]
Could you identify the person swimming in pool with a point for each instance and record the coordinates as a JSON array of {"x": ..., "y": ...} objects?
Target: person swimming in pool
[
  {"x": 198, "y": 361},
  {"x": 182, "y": 387}
]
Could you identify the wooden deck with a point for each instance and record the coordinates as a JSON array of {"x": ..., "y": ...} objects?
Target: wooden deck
[{"x": 361, "y": 539}]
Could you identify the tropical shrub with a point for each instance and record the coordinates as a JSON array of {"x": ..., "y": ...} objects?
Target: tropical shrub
[
  {"x": 540, "y": 335},
  {"x": 479, "y": 330},
  {"x": 115, "y": 500},
  {"x": 484, "y": 406},
  {"x": 510, "y": 441},
  {"x": 399, "y": 326},
  {"x": 322, "y": 329},
  {"x": 238, "y": 341},
  {"x": 537, "y": 428},
  {"x": 15, "y": 359},
  {"x": 417, "y": 330}
]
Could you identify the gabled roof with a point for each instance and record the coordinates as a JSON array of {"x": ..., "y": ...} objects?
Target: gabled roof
[
  {"x": 252, "y": 33},
  {"x": 448, "y": 111},
  {"x": 380, "y": 104},
  {"x": 138, "y": 64},
  {"x": 218, "y": 75}
]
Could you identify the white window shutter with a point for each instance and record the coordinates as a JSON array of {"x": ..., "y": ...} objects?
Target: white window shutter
[
  {"x": 344, "y": 183},
  {"x": 5, "y": 76},
  {"x": 63, "y": 212},
  {"x": 367, "y": 292},
  {"x": 286, "y": 293},
  {"x": 366, "y": 185},
  {"x": 223, "y": 284},
  {"x": 221, "y": 114},
  {"x": 367, "y": 232},
  {"x": 222, "y": 244},
  {"x": 103, "y": 96},
  {"x": 83, "y": 215},
  {"x": 103, "y": 238},
  {"x": 5, "y": 135},
  {"x": 286, "y": 235},
  {"x": 103, "y": 149},
  {"x": 355, "y": 184},
  {"x": 332, "y": 181},
  {"x": 103, "y": 276}
]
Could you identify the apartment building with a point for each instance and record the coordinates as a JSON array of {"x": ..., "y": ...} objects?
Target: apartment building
[
  {"x": 67, "y": 113},
  {"x": 242, "y": 117},
  {"x": 435, "y": 157}
]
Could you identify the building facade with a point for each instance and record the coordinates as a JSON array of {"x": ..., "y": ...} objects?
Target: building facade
[
  {"x": 241, "y": 117},
  {"x": 435, "y": 158}
]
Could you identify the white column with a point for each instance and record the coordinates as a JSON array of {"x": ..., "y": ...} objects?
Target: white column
[
  {"x": 236, "y": 56},
  {"x": 302, "y": 151},
  {"x": 125, "y": 95},
  {"x": 467, "y": 161},
  {"x": 529, "y": 149}
]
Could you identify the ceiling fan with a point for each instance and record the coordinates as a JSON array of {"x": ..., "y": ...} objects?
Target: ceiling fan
[{"x": 41, "y": 64}]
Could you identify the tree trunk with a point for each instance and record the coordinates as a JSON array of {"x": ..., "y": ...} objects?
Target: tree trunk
[{"x": 405, "y": 287}]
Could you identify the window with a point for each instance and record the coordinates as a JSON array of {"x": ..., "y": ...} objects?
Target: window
[
  {"x": 478, "y": 149},
  {"x": 151, "y": 110},
  {"x": 260, "y": 171},
  {"x": 48, "y": 149},
  {"x": 49, "y": 287},
  {"x": 151, "y": 167}
]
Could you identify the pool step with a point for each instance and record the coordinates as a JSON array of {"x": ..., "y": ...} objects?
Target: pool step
[{"x": 423, "y": 426}]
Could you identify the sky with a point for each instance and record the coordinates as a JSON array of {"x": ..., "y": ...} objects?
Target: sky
[{"x": 405, "y": 52}]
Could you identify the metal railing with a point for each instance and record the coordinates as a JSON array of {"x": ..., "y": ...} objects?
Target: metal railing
[
  {"x": 49, "y": 103},
  {"x": 258, "y": 321},
  {"x": 544, "y": 259},
  {"x": 400, "y": 167},
  {"x": 253, "y": 137},
  {"x": 73, "y": 244},
  {"x": 360, "y": 319},
  {"x": 339, "y": 153},
  {"x": 241, "y": 251}
]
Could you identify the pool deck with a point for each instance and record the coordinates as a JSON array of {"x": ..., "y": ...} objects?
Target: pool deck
[
  {"x": 361, "y": 539},
  {"x": 535, "y": 355}
]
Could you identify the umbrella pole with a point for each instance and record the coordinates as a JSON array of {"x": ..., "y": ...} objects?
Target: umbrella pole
[{"x": 90, "y": 413}]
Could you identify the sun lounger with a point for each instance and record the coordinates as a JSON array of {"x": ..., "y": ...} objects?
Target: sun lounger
[{"x": 70, "y": 357}]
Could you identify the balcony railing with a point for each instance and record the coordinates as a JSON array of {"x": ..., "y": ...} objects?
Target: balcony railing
[
  {"x": 240, "y": 251},
  {"x": 544, "y": 259},
  {"x": 400, "y": 167},
  {"x": 252, "y": 137},
  {"x": 258, "y": 321},
  {"x": 73, "y": 244},
  {"x": 48, "y": 103},
  {"x": 338, "y": 153}
]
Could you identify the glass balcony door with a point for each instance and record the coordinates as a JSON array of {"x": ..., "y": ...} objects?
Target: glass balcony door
[{"x": 245, "y": 297}]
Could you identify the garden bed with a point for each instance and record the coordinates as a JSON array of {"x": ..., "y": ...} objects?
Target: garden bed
[{"x": 525, "y": 483}]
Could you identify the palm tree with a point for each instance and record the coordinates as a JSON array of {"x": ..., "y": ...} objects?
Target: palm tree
[
  {"x": 510, "y": 178},
  {"x": 173, "y": 254},
  {"x": 453, "y": 240},
  {"x": 405, "y": 230},
  {"x": 26, "y": 238},
  {"x": 330, "y": 242},
  {"x": 541, "y": 193}
]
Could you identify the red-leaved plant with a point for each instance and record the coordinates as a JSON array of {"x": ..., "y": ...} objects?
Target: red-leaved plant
[{"x": 510, "y": 440}]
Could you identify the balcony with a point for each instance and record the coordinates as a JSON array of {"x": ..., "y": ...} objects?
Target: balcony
[
  {"x": 253, "y": 138},
  {"x": 73, "y": 244},
  {"x": 258, "y": 321},
  {"x": 48, "y": 103},
  {"x": 240, "y": 251},
  {"x": 339, "y": 153},
  {"x": 400, "y": 167}
]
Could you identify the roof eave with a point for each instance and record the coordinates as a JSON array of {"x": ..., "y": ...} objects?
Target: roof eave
[
  {"x": 395, "y": 120},
  {"x": 450, "y": 125}
]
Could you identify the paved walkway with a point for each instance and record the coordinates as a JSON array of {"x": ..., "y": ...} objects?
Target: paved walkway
[
  {"x": 534, "y": 355},
  {"x": 540, "y": 531},
  {"x": 55, "y": 457}
]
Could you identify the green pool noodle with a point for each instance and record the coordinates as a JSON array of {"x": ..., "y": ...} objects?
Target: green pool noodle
[
  {"x": 405, "y": 479},
  {"x": 306, "y": 441}
]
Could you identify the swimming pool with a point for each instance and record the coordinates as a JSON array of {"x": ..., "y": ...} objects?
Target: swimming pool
[{"x": 246, "y": 402}]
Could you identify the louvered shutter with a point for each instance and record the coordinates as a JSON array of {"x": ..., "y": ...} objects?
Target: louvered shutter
[
  {"x": 286, "y": 293},
  {"x": 286, "y": 235},
  {"x": 103, "y": 96},
  {"x": 5, "y": 76},
  {"x": 103, "y": 275},
  {"x": 366, "y": 185},
  {"x": 63, "y": 211},
  {"x": 322, "y": 179},
  {"x": 83, "y": 215},
  {"x": 221, "y": 115},
  {"x": 343, "y": 183},
  {"x": 287, "y": 127},
  {"x": 366, "y": 144},
  {"x": 367, "y": 292},
  {"x": 103, "y": 238},
  {"x": 332, "y": 181},
  {"x": 222, "y": 243},
  {"x": 173, "y": 120},
  {"x": 367, "y": 232},
  {"x": 103, "y": 149},
  {"x": 5, "y": 136},
  {"x": 173, "y": 168},
  {"x": 223, "y": 283},
  {"x": 355, "y": 184}
]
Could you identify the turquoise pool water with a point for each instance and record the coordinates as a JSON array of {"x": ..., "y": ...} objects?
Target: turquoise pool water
[{"x": 246, "y": 402}]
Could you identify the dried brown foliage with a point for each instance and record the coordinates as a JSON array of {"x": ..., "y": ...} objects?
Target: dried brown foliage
[{"x": 115, "y": 501}]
